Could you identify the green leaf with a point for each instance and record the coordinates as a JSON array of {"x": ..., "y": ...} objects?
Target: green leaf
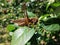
[
  {"x": 52, "y": 27},
  {"x": 27, "y": 0},
  {"x": 30, "y": 14},
  {"x": 56, "y": 4},
  {"x": 11, "y": 27},
  {"x": 57, "y": 10},
  {"x": 47, "y": 6},
  {"x": 22, "y": 35}
]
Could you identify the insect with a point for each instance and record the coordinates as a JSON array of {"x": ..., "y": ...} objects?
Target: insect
[{"x": 26, "y": 20}]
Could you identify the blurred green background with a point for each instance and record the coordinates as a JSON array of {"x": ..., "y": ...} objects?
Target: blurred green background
[{"x": 48, "y": 12}]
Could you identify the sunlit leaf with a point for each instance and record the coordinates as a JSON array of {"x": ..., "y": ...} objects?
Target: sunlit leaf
[
  {"x": 49, "y": 2},
  {"x": 22, "y": 35},
  {"x": 11, "y": 27}
]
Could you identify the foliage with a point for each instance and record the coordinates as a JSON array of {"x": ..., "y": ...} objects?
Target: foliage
[
  {"x": 47, "y": 29},
  {"x": 11, "y": 27},
  {"x": 23, "y": 34}
]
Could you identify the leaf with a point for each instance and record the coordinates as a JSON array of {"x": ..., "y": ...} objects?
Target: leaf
[
  {"x": 27, "y": 0},
  {"x": 49, "y": 3},
  {"x": 47, "y": 6},
  {"x": 30, "y": 14},
  {"x": 57, "y": 10},
  {"x": 32, "y": 0},
  {"x": 50, "y": 21},
  {"x": 52, "y": 27},
  {"x": 11, "y": 27},
  {"x": 56, "y": 4},
  {"x": 22, "y": 35}
]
